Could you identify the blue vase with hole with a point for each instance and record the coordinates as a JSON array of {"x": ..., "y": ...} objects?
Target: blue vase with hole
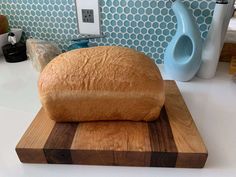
[{"x": 183, "y": 55}]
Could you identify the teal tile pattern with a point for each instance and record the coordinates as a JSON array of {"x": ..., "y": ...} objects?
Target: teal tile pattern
[{"x": 145, "y": 25}]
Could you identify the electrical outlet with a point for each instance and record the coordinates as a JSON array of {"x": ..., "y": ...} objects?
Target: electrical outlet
[{"x": 88, "y": 17}]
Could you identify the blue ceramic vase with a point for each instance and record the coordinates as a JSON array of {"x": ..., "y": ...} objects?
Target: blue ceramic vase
[
  {"x": 183, "y": 55},
  {"x": 78, "y": 44}
]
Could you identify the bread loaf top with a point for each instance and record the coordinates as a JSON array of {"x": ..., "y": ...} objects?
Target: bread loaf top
[{"x": 101, "y": 69}]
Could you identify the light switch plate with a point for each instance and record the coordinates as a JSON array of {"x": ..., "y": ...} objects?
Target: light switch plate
[{"x": 88, "y": 16}]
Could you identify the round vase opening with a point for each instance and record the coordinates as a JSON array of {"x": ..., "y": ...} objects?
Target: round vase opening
[{"x": 183, "y": 50}]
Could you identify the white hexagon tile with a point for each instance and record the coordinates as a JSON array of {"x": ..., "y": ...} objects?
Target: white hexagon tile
[{"x": 146, "y": 25}]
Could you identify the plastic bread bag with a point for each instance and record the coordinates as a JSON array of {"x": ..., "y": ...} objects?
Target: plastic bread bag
[{"x": 41, "y": 52}]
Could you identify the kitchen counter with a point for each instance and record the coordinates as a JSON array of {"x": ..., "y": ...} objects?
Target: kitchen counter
[{"x": 212, "y": 104}]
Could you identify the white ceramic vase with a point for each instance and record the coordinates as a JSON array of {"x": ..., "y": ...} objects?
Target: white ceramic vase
[{"x": 215, "y": 39}]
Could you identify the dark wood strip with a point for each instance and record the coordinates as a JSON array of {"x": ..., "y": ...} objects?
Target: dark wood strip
[
  {"x": 164, "y": 150},
  {"x": 228, "y": 51},
  {"x": 57, "y": 147}
]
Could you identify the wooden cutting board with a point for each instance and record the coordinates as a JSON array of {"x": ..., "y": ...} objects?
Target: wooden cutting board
[{"x": 171, "y": 141}]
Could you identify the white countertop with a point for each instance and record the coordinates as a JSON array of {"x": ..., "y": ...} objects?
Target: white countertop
[{"x": 212, "y": 104}]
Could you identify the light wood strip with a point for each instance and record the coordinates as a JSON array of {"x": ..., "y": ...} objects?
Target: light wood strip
[
  {"x": 186, "y": 135},
  {"x": 110, "y": 140},
  {"x": 191, "y": 160},
  {"x": 30, "y": 147}
]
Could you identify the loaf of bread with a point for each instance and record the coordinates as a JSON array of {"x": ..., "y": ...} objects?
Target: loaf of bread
[{"x": 101, "y": 83}]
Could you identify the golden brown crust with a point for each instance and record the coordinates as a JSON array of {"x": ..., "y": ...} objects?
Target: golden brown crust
[{"x": 102, "y": 83}]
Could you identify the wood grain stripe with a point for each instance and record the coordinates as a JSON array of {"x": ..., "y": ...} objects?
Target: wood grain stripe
[
  {"x": 112, "y": 143},
  {"x": 191, "y": 149},
  {"x": 57, "y": 147},
  {"x": 30, "y": 147},
  {"x": 164, "y": 150},
  {"x": 185, "y": 132},
  {"x": 191, "y": 160}
]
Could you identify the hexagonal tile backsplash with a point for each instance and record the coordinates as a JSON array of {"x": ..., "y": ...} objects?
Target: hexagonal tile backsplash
[{"x": 146, "y": 25}]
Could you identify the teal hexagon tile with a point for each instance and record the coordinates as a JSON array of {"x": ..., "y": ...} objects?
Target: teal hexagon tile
[
  {"x": 146, "y": 25},
  {"x": 144, "y": 31},
  {"x": 157, "y": 43},
  {"x": 123, "y": 17},
  {"x": 200, "y": 19},
  {"x": 133, "y": 36},
  {"x": 123, "y": 3},
  {"x": 153, "y": 4},
  {"x": 147, "y": 37},
  {"x": 203, "y": 27},
  {"x": 208, "y": 20},
  {"x": 146, "y": 49},
  {"x": 116, "y": 16},
  {"x": 145, "y": 3},
  {"x": 129, "y": 42},
  {"x": 136, "y": 30},
  {"x": 160, "y": 50},
  {"x": 149, "y": 11},
  {"x": 130, "y": 3},
  {"x": 151, "y": 31},
  {"x": 153, "y": 49},
  {"x": 197, "y": 12},
  {"x": 130, "y": 30},
  {"x": 126, "y": 10},
  {"x": 204, "y": 34},
  {"x": 130, "y": 17},
  {"x": 123, "y": 29},
  {"x": 126, "y": 36},
  {"x": 134, "y": 10},
  {"x": 136, "y": 42},
  {"x": 139, "y": 48},
  {"x": 160, "y": 18},
  {"x": 116, "y": 29},
  {"x": 123, "y": 41},
  {"x": 140, "y": 36},
  {"x": 161, "y": 4},
  {"x": 150, "y": 44},
  {"x": 110, "y": 40},
  {"x": 166, "y": 32},
  {"x": 158, "y": 31},
  {"x": 133, "y": 24},
  {"x": 155, "y": 25},
  {"x": 168, "y": 4},
  {"x": 117, "y": 41},
  {"x": 109, "y": 16},
  {"x": 119, "y": 10},
  {"x": 152, "y": 18},
  {"x": 158, "y": 61},
  {"x": 156, "y": 11},
  {"x": 116, "y": 3},
  {"x": 172, "y": 32},
  {"x": 141, "y": 11},
  {"x": 143, "y": 43}
]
